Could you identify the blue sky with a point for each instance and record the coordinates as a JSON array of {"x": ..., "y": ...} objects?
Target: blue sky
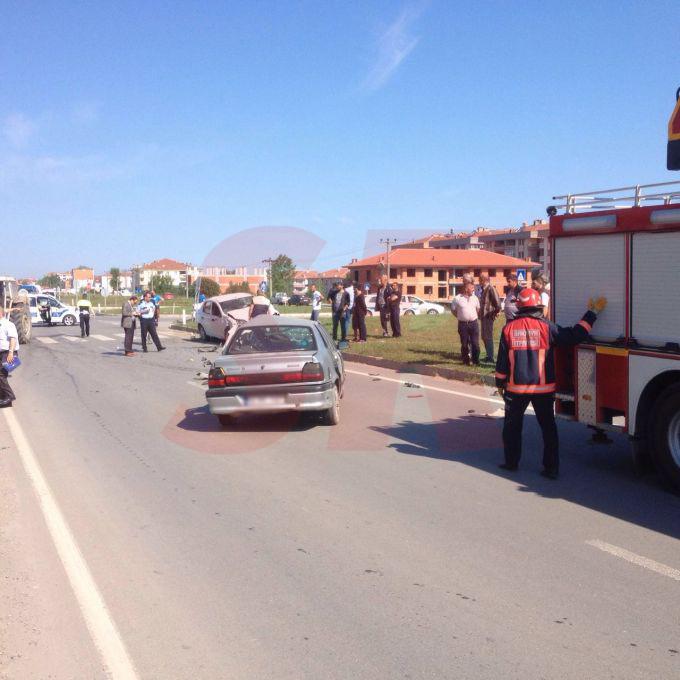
[{"x": 131, "y": 131}]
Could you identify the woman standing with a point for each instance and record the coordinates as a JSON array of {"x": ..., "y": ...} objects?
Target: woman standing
[{"x": 359, "y": 316}]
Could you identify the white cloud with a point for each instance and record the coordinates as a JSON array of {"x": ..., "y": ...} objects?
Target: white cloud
[
  {"x": 18, "y": 129},
  {"x": 395, "y": 43}
]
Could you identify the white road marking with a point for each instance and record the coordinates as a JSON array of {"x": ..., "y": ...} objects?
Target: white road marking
[
  {"x": 47, "y": 340},
  {"x": 467, "y": 395},
  {"x": 632, "y": 557},
  {"x": 102, "y": 628},
  {"x": 101, "y": 337},
  {"x": 70, "y": 338}
]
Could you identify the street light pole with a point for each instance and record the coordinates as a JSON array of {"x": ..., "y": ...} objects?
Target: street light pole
[{"x": 388, "y": 243}]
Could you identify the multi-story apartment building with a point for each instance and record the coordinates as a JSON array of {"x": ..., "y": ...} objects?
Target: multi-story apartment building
[
  {"x": 181, "y": 273},
  {"x": 436, "y": 273}
]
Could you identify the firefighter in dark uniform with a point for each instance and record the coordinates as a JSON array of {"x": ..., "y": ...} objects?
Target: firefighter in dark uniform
[{"x": 525, "y": 374}]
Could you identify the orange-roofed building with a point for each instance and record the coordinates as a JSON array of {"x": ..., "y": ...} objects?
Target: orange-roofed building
[
  {"x": 181, "y": 273},
  {"x": 436, "y": 274}
]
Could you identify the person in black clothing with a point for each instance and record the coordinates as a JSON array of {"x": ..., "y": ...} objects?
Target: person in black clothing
[
  {"x": 359, "y": 316},
  {"x": 381, "y": 305},
  {"x": 393, "y": 294},
  {"x": 339, "y": 300}
]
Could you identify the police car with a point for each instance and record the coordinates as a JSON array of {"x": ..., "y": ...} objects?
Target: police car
[{"x": 59, "y": 312}]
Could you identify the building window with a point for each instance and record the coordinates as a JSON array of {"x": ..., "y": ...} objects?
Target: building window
[
  {"x": 492, "y": 272},
  {"x": 411, "y": 273},
  {"x": 477, "y": 272},
  {"x": 427, "y": 290},
  {"x": 452, "y": 290},
  {"x": 507, "y": 272},
  {"x": 368, "y": 275},
  {"x": 410, "y": 290},
  {"x": 453, "y": 274},
  {"x": 391, "y": 273},
  {"x": 356, "y": 275},
  {"x": 441, "y": 275},
  {"x": 428, "y": 275},
  {"x": 441, "y": 292}
]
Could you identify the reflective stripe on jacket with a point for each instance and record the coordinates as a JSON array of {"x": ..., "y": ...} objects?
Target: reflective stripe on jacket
[{"x": 526, "y": 363}]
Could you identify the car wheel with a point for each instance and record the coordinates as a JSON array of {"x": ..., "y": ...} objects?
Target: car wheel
[
  {"x": 409, "y": 312},
  {"x": 201, "y": 333},
  {"x": 69, "y": 320},
  {"x": 432, "y": 311},
  {"x": 332, "y": 415},
  {"x": 666, "y": 436},
  {"x": 226, "y": 420}
]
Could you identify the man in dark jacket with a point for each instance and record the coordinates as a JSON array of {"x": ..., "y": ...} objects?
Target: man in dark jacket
[
  {"x": 490, "y": 307},
  {"x": 393, "y": 294},
  {"x": 525, "y": 374},
  {"x": 339, "y": 300},
  {"x": 359, "y": 316},
  {"x": 381, "y": 303}
]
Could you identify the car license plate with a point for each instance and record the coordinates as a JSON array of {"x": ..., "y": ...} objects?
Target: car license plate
[{"x": 264, "y": 401}]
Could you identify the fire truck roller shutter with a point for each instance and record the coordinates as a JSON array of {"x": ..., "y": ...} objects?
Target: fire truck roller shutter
[
  {"x": 655, "y": 305},
  {"x": 591, "y": 265}
]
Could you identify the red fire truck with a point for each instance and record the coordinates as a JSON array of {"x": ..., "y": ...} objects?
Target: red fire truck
[{"x": 624, "y": 244}]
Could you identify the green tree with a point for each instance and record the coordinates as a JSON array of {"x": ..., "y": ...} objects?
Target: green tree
[
  {"x": 115, "y": 278},
  {"x": 283, "y": 270},
  {"x": 50, "y": 281},
  {"x": 240, "y": 287},
  {"x": 162, "y": 283},
  {"x": 210, "y": 287}
]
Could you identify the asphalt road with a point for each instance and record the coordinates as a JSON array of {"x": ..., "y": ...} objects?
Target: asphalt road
[{"x": 139, "y": 540}]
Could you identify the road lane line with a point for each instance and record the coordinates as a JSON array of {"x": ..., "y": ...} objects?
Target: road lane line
[
  {"x": 47, "y": 340},
  {"x": 102, "y": 628},
  {"x": 467, "y": 395},
  {"x": 102, "y": 337},
  {"x": 632, "y": 557}
]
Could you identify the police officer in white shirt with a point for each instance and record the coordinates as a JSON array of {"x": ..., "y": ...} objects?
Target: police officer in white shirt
[
  {"x": 9, "y": 339},
  {"x": 147, "y": 314}
]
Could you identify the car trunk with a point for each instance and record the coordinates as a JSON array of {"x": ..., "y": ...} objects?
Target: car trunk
[{"x": 273, "y": 363}]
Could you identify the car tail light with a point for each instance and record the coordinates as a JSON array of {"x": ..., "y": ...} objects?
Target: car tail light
[
  {"x": 216, "y": 377},
  {"x": 312, "y": 372}
]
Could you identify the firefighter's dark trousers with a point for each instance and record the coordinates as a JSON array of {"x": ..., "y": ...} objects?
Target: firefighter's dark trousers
[{"x": 515, "y": 406}]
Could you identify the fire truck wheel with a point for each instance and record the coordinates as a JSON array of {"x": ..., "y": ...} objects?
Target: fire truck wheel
[{"x": 666, "y": 436}]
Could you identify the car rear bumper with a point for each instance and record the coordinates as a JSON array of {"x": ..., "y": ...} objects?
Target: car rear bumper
[{"x": 269, "y": 399}]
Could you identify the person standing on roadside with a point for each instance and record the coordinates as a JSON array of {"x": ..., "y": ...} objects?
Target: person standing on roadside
[
  {"x": 490, "y": 308},
  {"x": 128, "y": 322},
  {"x": 359, "y": 316},
  {"x": 147, "y": 319},
  {"x": 339, "y": 302},
  {"x": 539, "y": 282},
  {"x": 394, "y": 304},
  {"x": 316, "y": 302},
  {"x": 512, "y": 291},
  {"x": 381, "y": 304},
  {"x": 465, "y": 307},
  {"x": 9, "y": 340},
  {"x": 350, "y": 292},
  {"x": 84, "y": 312},
  {"x": 156, "y": 299}
]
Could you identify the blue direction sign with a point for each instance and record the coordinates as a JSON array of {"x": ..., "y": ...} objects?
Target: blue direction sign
[{"x": 521, "y": 275}]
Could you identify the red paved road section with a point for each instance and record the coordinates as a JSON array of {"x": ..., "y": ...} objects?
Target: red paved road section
[{"x": 376, "y": 414}]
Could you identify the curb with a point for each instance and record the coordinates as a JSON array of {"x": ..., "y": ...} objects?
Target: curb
[
  {"x": 422, "y": 369},
  {"x": 180, "y": 327}
]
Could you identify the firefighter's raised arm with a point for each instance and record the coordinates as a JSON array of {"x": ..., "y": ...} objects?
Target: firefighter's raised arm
[{"x": 565, "y": 335}]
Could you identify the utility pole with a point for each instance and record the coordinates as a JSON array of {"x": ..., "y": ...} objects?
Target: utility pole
[
  {"x": 389, "y": 242},
  {"x": 270, "y": 281}
]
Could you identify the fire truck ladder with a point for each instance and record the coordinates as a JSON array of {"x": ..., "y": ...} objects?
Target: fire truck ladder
[{"x": 622, "y": 198}]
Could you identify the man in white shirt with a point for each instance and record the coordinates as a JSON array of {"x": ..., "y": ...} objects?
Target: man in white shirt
[
  {"x": 9, "y": 339},
  {"x": 539, "y": 282},
  {"x": 316, "y": 302},
  {"x": 465, "y": 307},
  {"x": 147, "y": 319}
]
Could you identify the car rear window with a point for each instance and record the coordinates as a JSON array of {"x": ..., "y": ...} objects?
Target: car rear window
[
  {"x": 236, "y": 303},
  {"x": 275, "y": 338}
]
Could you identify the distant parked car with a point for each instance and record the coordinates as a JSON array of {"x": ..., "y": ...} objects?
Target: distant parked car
[
  {"x": 281, "y": 298},
  {"x": 300, "y": 300},
  {"x": 410, "y": 305},
  {"x": 276, "y": 364}
]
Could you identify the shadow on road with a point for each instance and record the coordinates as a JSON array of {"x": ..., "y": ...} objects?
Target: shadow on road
[
  {"x": 200, "y": 419},
  {"x": 600, "y": 477}
]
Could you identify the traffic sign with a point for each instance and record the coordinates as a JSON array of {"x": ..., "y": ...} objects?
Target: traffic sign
[{"x": 521, "y": 275}]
